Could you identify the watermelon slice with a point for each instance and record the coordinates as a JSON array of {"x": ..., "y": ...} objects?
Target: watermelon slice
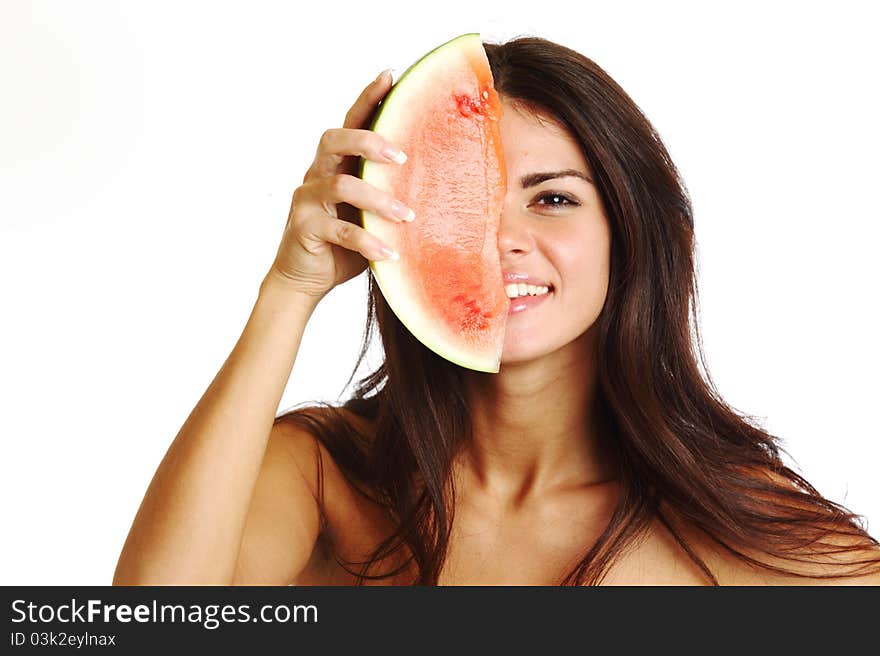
[{"x": 446, "y": 288}]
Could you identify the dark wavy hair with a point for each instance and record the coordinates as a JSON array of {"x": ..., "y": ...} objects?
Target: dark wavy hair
[{"x": 682, "y": 453}]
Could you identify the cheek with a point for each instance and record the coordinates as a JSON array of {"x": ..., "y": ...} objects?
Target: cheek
[{"x": 583, "y": 262}]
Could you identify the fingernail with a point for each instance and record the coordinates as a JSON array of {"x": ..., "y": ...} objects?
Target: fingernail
[
  {"x": 387, "y": 72},
  {"x": 401, "y": 211},
  {"x": 389, "y": 253},
  {"x": 394, "y": 154}
]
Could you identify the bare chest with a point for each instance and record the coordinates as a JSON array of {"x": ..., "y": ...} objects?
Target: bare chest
[
  {"x": 544, "y": 550},
  {"x": 539, "y": 546},
  {"x": 536, "y": 547}
]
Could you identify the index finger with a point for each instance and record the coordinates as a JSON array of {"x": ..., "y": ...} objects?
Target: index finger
[{"x": 363, "y": 107}]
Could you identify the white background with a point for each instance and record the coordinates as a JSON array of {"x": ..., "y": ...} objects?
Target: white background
[{"x": 147, "y": 156}]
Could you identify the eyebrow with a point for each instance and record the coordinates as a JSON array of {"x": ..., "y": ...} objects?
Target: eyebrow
[{"x": 533, "y": 179}]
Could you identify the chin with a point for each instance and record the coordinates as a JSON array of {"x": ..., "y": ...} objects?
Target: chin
[{"x": 520, "y": 354}]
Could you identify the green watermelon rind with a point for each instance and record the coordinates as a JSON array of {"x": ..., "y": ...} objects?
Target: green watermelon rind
[
  {"x": 432, "y": 339},
  {"x": 397, "y": 85}
]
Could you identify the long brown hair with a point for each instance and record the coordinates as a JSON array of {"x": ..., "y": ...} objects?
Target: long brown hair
[{"x": 682, "y": 453}]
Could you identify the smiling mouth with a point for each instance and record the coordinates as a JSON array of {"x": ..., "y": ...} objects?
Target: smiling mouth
[
  {"x": 516, "y": 291},
  {"x": 522, "y": 303}
]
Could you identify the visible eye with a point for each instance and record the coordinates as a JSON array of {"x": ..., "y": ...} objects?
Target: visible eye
[{"x": 555, "y": 200}]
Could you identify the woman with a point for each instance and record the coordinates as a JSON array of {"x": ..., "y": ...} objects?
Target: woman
[{"x": 598, "y": 454}]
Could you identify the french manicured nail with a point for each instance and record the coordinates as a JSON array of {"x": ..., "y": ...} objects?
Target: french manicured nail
[
  {"x": 394, "y": 154},
  {"x": 386, "y": 72},
  {"x": 388, "y": 253},
  {"x": 401, "y": 211}
]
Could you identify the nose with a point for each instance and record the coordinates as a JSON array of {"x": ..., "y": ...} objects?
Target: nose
[{"x": 514, "y": 231}]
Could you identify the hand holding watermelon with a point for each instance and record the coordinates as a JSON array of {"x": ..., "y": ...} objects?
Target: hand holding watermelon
[{"x": 323, "y": 245}]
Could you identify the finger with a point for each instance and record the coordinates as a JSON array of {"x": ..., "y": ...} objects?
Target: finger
[
  {"x": 342, "y": 188},
  {"x": 353, "y": 237},
  {"x": 359, "y": 113},
  {"x": 338, "y": 143}
]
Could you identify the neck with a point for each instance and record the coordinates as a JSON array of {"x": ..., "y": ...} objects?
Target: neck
[{"x": 534, "y": 429}]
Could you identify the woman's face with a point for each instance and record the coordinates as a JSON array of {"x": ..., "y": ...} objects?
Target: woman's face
[{"x": 555, "y": 230}]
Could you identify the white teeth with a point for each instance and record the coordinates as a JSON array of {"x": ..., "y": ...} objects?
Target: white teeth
[{"x": 514, "y": 290}]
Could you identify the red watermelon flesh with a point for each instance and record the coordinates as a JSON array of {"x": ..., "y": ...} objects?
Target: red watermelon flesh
[{"x": 446, "y": 288}]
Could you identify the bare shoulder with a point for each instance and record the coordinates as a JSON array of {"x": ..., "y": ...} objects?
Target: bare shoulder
[
  {"x": 811, "y": 571},
  {"x": 844, "y": 555},
  {"x": 659, "y": 558},
  {"x": 284, "y": 529},
  {"x": 283, "y": 520},
  {"x": 312, "y": 456},
  {"x": 304, "y": 448},
  {"x": 352, "y": 523},
  {"x": 852, "y": 553}
]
